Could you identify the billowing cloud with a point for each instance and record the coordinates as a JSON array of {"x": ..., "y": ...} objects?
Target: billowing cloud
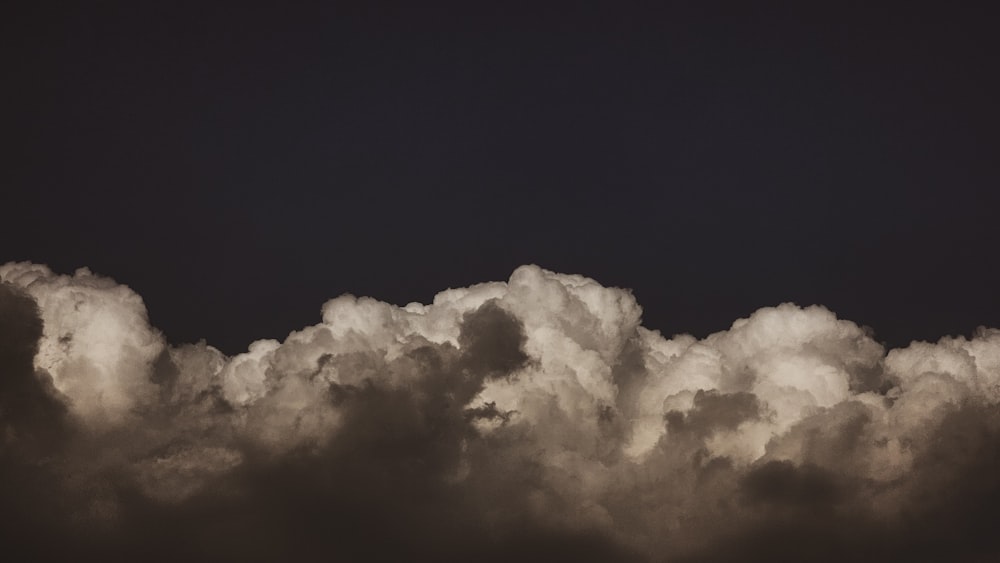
[{"x": 533, "y": 419}]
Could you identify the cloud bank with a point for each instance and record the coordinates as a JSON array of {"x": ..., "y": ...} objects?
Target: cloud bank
[{"x": 533, "y": 419}]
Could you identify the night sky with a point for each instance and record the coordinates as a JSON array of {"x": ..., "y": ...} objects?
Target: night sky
[
  {"x": 239, "y": 164},
  {"x": 634, "y": 282}
]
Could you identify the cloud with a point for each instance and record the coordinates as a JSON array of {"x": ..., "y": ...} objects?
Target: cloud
[{"x": 533, "y": 419}]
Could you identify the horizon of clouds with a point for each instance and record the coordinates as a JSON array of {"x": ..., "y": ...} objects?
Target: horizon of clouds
[{"x": 529, "y": 419}]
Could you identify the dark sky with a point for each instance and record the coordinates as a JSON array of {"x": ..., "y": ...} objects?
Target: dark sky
[{"x": 238, "y": 165}]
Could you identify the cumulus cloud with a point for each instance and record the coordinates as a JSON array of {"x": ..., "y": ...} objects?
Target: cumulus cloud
[{"x": 532, "y": 419}]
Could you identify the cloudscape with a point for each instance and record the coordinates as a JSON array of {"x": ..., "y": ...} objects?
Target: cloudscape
[
  {"x": 530, "y": 419},
  {"x": 630, "y": 281}
]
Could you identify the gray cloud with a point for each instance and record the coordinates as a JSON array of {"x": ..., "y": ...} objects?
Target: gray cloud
[{"x": 533, "y": 419}]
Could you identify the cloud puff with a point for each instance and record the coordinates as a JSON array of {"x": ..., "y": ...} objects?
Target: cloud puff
[
  {"x": 529, "y": 419},
  {"x": 96, "y": 344}
]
